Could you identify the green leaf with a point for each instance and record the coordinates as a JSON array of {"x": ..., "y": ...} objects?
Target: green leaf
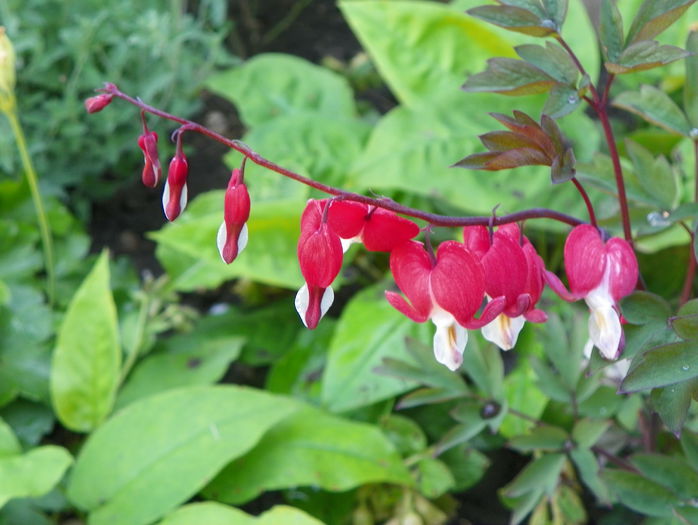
[
  {"x": 562, "y": 101},
  {"x": 655, "y": 175},
  {"x": 588, "y": 468},
  {"x": 406, "y": 435},
  {"x": 190, "y": 361},
  {"x": 640, "y": 494},
  {"x": 552, "y": 60},
  {"x": 9, "y": 444},
  {"x": 543, "y": 437},
  {"x": 556, "y": 10},
  {"x": 541, "y": 473},
  {"x": 311, "y": 448},
  {"x": 587, "y": 432},
  {"x": 270, "y": 256},
  {"x": 514, "y": 19},
  {"x": 664, "y": 365},
  {"x": 510, "y": 77},
  {"x": 434, "y": 478},
  {"x": 421, "y": 48},
  {"x": 211, "y": 513},
  {"x": 274, "y": 84},
  {"x": 689, "y": 444},
  {"x": 670, "y": 472},
  {"x": 672, "y": 403},
  {"x": 162, "y": 450},
  {"x": 654, "y": 16},
  {"x": 87, "y": 358},
  {"x": 368, "y": 331},
  {"x": 656, "y": 107},
  {"x": 611, "y": 31},
  {"x": 522, "y": 395},
  {"x": 685, "y": 323},
  {"x": 32, "y": 474},
  {"x": 645, "y": 54},
  {"x": 642, "y": 307},
  {"x": 466, "y": 464},
  {"x": 459, "y": 434},
  {"x": 690, "y": 88}
]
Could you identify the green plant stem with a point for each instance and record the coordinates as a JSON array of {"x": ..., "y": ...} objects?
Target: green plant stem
[
  {"x": 33, "y": 182},
  {"x": 381, "y": 202}
]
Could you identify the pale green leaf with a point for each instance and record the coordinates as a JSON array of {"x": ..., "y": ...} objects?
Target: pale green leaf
[
  {"x": 211, "y": 513},
  {"x": 654, "y": 16},
  {"x": 655, "y": 106}
]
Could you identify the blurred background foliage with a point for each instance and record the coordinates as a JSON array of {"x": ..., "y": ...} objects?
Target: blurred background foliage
[{"x": 121, "y": 402}]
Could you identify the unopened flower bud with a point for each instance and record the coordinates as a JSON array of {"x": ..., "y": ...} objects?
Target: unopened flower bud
[
  {"x": 174, "y": 196},
  {"x": 148, "y": 142},
  {"x": 7, "y": 65},
  {"x": 232, "y": 234},
  {"x": 98, "y": 102}
]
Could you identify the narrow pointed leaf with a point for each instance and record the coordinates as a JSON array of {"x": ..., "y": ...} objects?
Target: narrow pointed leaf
[
  {"x": 672, "y": 403},
  {"x": 86, "y": 362},
  {"x": 655, "y": 106},
  {"x": 661, "y": 366},
  {"x": 539, "y": 473},
  {"x": 654, "y": 175},
  {"x": 654, "y": 16},
  {"x": 645, "y": 54},
  {"x": 639, "y": 493},
  {"x": 551, "y": 59},
  {"x": 690, "y": 88},
  {"x": 514, "y": 19},
  {"x": 685, "y": 323},
  {"x": 611, "y": 31},
  {"x": 510, "y": 77}
]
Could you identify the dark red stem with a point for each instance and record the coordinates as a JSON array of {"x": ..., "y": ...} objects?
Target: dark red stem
[
  {"x": 587, "y": 201},
  {"x": 388, "y": 204}
]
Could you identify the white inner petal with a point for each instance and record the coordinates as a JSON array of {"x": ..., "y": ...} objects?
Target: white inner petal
[
  {"x": 301, "y": 302},
  {"x": 242, "y": 239},
  {"x": 326, "y": 301},
  {"x": 346, "y": 243},
  {"x": 504, "y": 330},
  {"x": 183, "y": 199},
  {"x": 449, "y": 340},
  {"x": 221, "y": 238},
  {"x": 605, "y": 330},
  {"x": 166, "y": 197}
]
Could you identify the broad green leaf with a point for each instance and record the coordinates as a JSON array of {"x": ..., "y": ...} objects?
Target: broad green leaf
[
  {"x": 211, "y": 513},
  {"x": 642, "y": 307},
  {"x": 274, "y": 84},
  {"x": 543, "y": 437},
  {"x": 87, "y": 358},
  {"x": 689, "y": 444},
  {"x": 514, "y": 19},
  {"x": 466, "y": 464},
  {"x": 509, "y": 77},
  {"x": 522, "y": 394},
  {"x": 603, "y": 403},
  {"x": 685, "y": 323},
  {"x": 611, "y": 31},
  {"x": 552, "y": 60},
  {"x": 588, "y": 468},
  {"x": 30, "y": 421},
  {"x": 539, "y": 474},
  {"x": 422, "y": 48},
  {"x": 655, "y": 106},
  {"x": 270, "y": 256},
  {"x": 562, "y": 101},
  {"x": 655, "y": 175},
  {"x": 522, "y": 505},
  {"x": 9, "y": 444},
  {"x": 586, "y": 432},
  {"x": 654, "y": 16},
  {"x": 459, "y": 434},
  {"x": 639, "y": 493},
  {"x": 162, "y": 450},
  {"x": 315, "y": 449},
  {"x": 556, "y": 10},
  {"x": 483, "y": 364},
  {"x": 690, "y": 88},
  {"x": 368, "y": 331},
  {"x": 670, "y": 472},
  {"x": 550, "y": 382},
  {"x": 433, "y": 478},
  {"x": 664, "y": 365},
  {"x": 672, "y": 403},
  {"x": 645, "y": 54},
  {"x": 32, "y": 474},
  {"x": 191, "y": 361},
  {"x": 405, "y": 435}
]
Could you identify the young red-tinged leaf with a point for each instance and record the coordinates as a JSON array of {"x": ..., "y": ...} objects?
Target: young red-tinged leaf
[
  {"x": 551, "y": 59},
  {"x": 640, "y": 494},
  {"x": 656, "y": 107},
  {"x": 690, "y": 88},
  {"x": 672, "y": 403},
  {"x": 654, "y": 16},
  {"x": 685, "y": 324},
  {"x": 525, "y": 125},
  {"x": 645, "y": 54},
  {"x": 510, "y": 77},
  {"x": 671, "y": 472},
  {"x": 506, "y": 140},
  {"x": 513, "y": 158},
  {"x": 654, "y": 175},
  {"x": 661, "y": 366},
  {"x": 514, "y": 19},
  {"x": 611, "y": 31}
]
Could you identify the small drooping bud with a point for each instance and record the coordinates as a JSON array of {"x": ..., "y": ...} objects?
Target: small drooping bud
[
  {"x": 7, "y": 65},
  {"x": 232, "y": 234},
  {"x": 174, "y": 196},
  {"x": 148, "y": 142},
  {"x": 98, "y": 102}
]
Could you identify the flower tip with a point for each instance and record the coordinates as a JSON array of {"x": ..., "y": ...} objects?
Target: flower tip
[
  {"x": 98, "y": 102},
  {"x": 230, "y": 246},
  {"x": 312, "y": 304}
]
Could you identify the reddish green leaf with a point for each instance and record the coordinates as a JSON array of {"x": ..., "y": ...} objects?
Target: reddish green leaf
[
  {"x": 505, "y": 140},
  {"x": 510, "y": 77},
  {"x": 503, "y": 160},
  {"x": 514, "y": 19},
  {"x": 661, "y": 366},
  {"x": 611, "y": 31},
  {"x": 656, "y": 107},
  {"x": 654, "y": 16},
  {"x": 645, "y": 54}
]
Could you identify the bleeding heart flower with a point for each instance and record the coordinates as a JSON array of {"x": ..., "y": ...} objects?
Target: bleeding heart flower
[
  {"x": 447, "y": 289},
  {"x": 148, "y": 142},
  {"x": 232, "y": 234},
  {"x": 320, "y": 258},
  {"x": 513, "y": 270},
  {"x": 379, "y": 230},
  {"x": 174, "y": 196},
  {"x": 601, "y": 274}
]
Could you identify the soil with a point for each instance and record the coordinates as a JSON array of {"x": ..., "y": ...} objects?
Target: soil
[{"x": 314, "y": 31}]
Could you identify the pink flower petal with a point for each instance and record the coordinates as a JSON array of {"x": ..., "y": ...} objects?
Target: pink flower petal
[
  {"x": 556, "y": 285},
  {"x": 492, "y": 309},
  {"x": 384, "y": 230},
  {"x": 320, "y": 257},
  {"x": 347, "y": 218},
  {"x": 411, "y": 267},
  {"x": 477, "y": 240},
  {"x": 585, "y": 259},
  {"x": 506, "y": 271},
  {"x": 623, "y": 269},
  {"x": 398, "y": 302}
]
